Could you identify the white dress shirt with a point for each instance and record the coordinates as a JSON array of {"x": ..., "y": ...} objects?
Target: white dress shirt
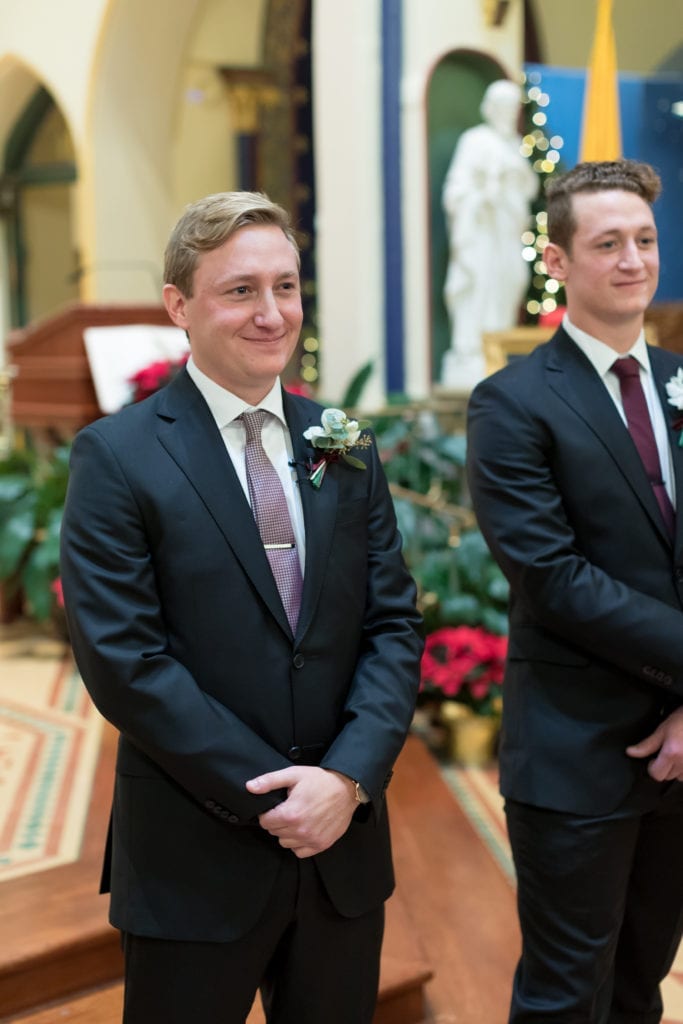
[
  {"x": 602, "y": 356},
  {"x": 226, "y": 409}
]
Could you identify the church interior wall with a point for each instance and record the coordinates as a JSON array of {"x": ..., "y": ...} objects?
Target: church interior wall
[
  {"x": 127, "y": 183},
  {"x": 646, "y": 34},
  {"x": 152, "y": 128},
  {"x": 225, "y": 33}
]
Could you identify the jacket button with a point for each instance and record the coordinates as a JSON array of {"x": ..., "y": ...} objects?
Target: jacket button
[
  {"x": 209, "y": 804},
  {"x": 233, "y": 819},
  {"x": 294, "y": 753},
  {"x": 299, "y": 661}
]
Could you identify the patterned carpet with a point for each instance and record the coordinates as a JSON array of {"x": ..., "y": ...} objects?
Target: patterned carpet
[
  {"x": 49, "y": 742},
  {"x": 477, "y": 792}
]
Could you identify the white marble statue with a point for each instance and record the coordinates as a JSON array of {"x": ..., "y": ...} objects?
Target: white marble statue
[{"x": 486, "y": 197}]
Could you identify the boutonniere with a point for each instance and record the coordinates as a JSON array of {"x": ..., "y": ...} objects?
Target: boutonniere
[
  {"x": 333, "y": 440},
  {"x": 674, "y": 389}
]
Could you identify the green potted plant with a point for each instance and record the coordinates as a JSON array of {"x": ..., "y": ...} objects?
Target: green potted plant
[{"x": 32, "y": 493}]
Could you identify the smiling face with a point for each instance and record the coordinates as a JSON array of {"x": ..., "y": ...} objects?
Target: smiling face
[
  {"x": 612, "y": 271},
  {"x": 245, "y": 315}
]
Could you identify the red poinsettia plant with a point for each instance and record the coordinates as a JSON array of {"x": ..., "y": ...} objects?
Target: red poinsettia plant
[
  {"x": 466, "y": 664},
  {"x": 154, "y": 376}
]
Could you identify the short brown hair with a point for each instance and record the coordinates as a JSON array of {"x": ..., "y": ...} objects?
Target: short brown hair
[
  {"x": 209, "y": 223},
  {"x": 599, "y": 176}
]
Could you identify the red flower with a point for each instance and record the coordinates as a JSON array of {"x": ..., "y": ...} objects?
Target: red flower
[
  {"x": 56, "y": 588},
  {"x": 154, "y": 376},
  {"x": 464, "y": 662},
  {"x": 299, "y": 387}
]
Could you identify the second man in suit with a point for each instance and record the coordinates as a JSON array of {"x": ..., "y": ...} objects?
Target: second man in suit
[{"x": 575, "y": 464}]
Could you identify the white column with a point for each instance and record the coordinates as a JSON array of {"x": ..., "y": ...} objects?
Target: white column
[{"x": 348, "y": 157}]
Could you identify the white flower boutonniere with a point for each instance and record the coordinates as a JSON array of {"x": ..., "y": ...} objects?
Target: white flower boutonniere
[
  {"x": 333, "y": 440},
  {"x": 674, "y": 389}
]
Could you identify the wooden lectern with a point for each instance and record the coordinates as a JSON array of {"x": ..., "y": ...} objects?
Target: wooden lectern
[{"x": 52, "y": 386}]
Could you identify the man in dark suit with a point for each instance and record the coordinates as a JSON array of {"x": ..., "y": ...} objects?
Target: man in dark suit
[
  {"x": 574, "y": 466},
  {"x": 259, "y": 716}
]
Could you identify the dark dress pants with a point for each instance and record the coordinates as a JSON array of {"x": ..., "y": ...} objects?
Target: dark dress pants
[
  {"x": 312, "y": 965},
  {"x": 600, "y": 905}
]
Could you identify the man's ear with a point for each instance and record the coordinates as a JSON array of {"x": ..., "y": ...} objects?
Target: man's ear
[
  {"x": 556, "y": 261},
  {"x": 175, "y": 303}
]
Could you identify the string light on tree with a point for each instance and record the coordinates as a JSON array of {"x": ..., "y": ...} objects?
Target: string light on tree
[{"x": 542, "y": 149}]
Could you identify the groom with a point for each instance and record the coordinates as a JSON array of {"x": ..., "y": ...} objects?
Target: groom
[{"x": 255, "y": 641}]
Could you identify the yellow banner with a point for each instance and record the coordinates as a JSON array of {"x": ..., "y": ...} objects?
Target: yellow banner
[{"x": 601, "y": 131}]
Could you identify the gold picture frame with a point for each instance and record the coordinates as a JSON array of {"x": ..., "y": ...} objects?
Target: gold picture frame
[{"x": 502, "y": 346}]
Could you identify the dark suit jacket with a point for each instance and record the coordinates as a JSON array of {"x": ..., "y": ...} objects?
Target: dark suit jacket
[
  {"x": 596, "y": 630},
  {"x": 180, "y": 635}
]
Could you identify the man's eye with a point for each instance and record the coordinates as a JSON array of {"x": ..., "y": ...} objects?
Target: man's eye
[{"x": 241, "y": 289}]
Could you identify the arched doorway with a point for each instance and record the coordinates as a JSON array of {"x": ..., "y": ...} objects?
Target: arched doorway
[{"x": 37, "y": 204}]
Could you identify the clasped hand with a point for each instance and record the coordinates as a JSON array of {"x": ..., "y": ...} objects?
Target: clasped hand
[
  {"x": 318, "y": 809},
  {"x": 667, "y": 743}
]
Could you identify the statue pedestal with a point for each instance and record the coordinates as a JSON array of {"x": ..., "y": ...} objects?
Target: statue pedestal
[{"x": 462, "y": 372}]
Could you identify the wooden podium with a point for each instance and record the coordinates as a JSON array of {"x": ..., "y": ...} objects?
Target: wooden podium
[{"x": 52, "y": 386}]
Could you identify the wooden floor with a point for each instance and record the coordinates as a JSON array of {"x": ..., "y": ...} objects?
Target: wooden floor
[{"x": 453, "y": 914}]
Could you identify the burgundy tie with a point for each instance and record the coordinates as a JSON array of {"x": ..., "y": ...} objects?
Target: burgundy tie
[
  {"x": 269, "y": 506},
  {"x": 640, "y": 428}
]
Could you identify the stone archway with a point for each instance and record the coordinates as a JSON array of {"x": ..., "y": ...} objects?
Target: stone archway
[{"x": 37, "y": 178}]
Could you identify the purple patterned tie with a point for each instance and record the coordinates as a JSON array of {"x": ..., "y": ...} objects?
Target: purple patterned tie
[
  {"x": 269, "y": 506},
  {"x": 640, "y": 428}
]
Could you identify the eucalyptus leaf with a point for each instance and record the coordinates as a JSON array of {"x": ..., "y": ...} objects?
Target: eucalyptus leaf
[{"x": 353, "y": 461}]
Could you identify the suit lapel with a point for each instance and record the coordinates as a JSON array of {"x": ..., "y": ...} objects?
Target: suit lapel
[
  {"x": 189, "y": 434},
  {"x": 573, "y": 378},
  {"x": 319, "y": 506}
]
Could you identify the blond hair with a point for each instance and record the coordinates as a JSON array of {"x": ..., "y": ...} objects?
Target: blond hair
[{"x": 208, "y": 223}]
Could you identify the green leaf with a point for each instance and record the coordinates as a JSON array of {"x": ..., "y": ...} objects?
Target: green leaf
[
  {"x": 461, "y": 609},
  {"x": 16, "y": 537},
  {"x": 353, "y": 461},
  {"x": 495, "y": 621},
  {"x": 36, "y": 580},
  {"x": 11, "y": 488},
  {"x": 355, "y": 388},
  {"x": 453, "y": 446}
]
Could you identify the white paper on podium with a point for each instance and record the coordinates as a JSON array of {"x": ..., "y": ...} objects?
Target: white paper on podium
[{"x": 116, "y": 353}]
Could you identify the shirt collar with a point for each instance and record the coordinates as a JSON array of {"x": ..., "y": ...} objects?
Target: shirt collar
[
  {"x": 601, "y": 355},
  {"x": 226, "y": 407}
]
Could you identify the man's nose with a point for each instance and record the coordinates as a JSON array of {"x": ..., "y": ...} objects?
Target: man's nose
[
  {"x": 631, "y": 255},
  {"x": 267, "y": 310}
]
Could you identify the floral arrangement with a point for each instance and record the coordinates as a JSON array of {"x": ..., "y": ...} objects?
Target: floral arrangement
[
  {"x": 466, "y": 664},
  {"x": 674, "y": 389},
  {"x": 154, "y": 376},
  {"x": 334, "y": 439}
]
